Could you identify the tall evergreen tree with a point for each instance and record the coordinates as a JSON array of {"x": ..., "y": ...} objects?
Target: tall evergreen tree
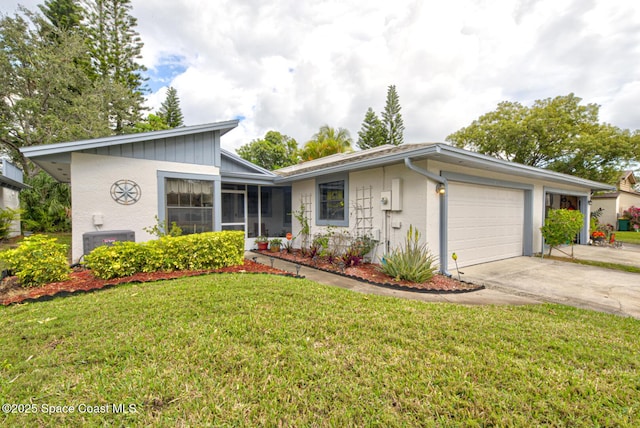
[
  {"x": 392, "y": 119},
  {"x": 372, "y": 133},
  {"x": 170, "y": 109},
  {"x": 65, "y": 15},
  {"x": 45, "y": 97},
  {"x": 115, "y": 48}
]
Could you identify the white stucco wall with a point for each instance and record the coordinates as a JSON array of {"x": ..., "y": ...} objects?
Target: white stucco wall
[
  {"x": 10, "y": 198},
  {"x": 390, "y": 226},
  {"x": 615, "y": 207},
  {"x": 92, "y": 177},
  {"x": 627, "y": 200},
  {"x": 610, "y": 210},
  {"x": 420, "y": 203}
]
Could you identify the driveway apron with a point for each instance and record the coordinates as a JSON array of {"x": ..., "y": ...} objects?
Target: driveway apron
[{"x": 567, "y": 283}]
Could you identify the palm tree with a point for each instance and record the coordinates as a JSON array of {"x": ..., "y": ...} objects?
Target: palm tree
[{"x": 327, "y": 141}]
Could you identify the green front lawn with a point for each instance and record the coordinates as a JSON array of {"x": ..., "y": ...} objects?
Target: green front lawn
[
  {"x": 247, "y": 350},
  {"x": 628, "y": 237}
]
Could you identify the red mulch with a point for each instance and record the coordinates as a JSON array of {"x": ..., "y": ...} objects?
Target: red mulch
[
  {"x": 83, "y": 280},
  {"x": 369, "y": 272}
]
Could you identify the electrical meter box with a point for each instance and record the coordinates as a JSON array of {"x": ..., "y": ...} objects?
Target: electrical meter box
[{"x": 91, "y": 240}]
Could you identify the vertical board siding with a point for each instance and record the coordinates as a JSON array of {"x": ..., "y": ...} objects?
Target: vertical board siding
[
  {"x": 199, "y": 149},
  {"x": 126, "y": 150}
]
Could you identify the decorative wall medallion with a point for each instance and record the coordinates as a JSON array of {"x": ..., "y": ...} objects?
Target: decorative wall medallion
[{"x": 125, "y": 192}]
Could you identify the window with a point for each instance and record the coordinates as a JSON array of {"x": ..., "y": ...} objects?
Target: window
[
  {"x": 332, "y": 202},
  {"x": 189, "y": 204}
]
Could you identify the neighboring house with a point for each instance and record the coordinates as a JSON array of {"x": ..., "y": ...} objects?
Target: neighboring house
[
  {"x": 479, "y": 207},
  {"x": 10, "y": 186},
  {"x": 614, "y": 203}
]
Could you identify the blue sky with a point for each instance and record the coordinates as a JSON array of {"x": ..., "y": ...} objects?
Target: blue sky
[
  {"x": 293, "y": 66},
  {"x": 163, "y": 73}
]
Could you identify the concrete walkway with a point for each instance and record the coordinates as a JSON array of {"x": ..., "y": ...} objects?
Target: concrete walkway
[
  {"x": 480, "y": 297},
  {"x": 523, "y": 281}
]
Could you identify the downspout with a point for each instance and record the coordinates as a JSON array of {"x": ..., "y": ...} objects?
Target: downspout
[{"x": 444, "y": 215}]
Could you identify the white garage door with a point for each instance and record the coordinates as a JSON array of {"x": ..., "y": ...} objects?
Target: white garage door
[{"x": 485, "y": 223}]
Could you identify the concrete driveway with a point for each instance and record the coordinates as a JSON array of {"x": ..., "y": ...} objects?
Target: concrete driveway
[{"x": 571, "y": 284}]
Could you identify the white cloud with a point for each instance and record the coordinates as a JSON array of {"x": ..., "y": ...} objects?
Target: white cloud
[{"x": 293, "y": 66}]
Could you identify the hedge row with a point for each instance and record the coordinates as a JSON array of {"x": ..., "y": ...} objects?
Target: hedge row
[
  {"x": 38, "y": 260},
  {"x": 203, "y": 251}
]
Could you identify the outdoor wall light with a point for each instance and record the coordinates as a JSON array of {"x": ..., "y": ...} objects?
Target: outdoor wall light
[{"x": 440, "y": 189}]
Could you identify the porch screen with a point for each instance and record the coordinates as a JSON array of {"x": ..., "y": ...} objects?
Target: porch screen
[{"x": 190, "y": 204}]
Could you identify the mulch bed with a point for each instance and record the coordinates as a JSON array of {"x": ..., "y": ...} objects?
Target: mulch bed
[
  {"x": 370, "y": 273},
  {"x": 82, "y": 280}
]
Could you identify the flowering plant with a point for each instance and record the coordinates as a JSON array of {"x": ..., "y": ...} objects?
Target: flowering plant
[
  {"x": 598, "y": 234},
  {"x": 633, "y": 214}
]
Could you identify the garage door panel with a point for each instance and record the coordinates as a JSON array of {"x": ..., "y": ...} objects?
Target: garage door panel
[{"x": 485, "y": 223}]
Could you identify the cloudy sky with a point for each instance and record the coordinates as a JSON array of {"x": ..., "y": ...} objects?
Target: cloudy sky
[{"x": 294, "y": 65}]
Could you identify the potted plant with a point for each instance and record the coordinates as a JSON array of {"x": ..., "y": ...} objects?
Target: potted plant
[
  {"x": 262, "y": 242},
  {"x": 598, "y": 236},
  {"x": 275, "y": 244}
]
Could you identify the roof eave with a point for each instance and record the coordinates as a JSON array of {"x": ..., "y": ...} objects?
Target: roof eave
[
  {"x": 247, "y": 178},
  {"x": 359, "y": 165},
  {"x": 246, "y": 163},
  {"x": 12, "y": 184},
  {"x": 56, "y": 148},
  {"x": 529, "y": 171},
  {"x": 447, "y": 153}
]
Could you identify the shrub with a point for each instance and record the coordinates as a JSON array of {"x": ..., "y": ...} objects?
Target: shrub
[
  {"x": 118, "y": 260},
  {"x": 38, "y": 260},
  {"x": 561, "y": 227},
  {"x": 46, "y": 204},
  {"x": 161, "y": 228},
  {"x": 633, "y": 214},
  {"x": 363, "y": 244},
  {"x": 7, "y": 217},
  {"x": 211, "y": 250},
  {"x": 413, "y": 262},
  {"x": 203, "y": 251}
]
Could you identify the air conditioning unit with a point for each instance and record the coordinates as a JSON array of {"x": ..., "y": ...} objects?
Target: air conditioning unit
[{"x": 91, "y": 240}]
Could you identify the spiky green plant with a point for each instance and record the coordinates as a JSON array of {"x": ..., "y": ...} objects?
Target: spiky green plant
[{"x": 411, "y": 262}]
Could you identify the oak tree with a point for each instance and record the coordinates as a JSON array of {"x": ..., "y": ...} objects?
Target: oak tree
[{"x": 560, "y": 134}]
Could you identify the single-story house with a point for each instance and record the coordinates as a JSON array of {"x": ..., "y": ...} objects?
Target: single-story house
[
  {"x": 480, "y": 207},
  {"x": 614, "y": 203},
  {"x": 11, "y": 183}
]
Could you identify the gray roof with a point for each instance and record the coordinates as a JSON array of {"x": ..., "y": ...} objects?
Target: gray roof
[
  {"x": 12, "y": 184},
  {"x": 56, "y": 158},
  {"x": 379, "y": 155},
  {"x": 11, "y": 177},
  {"x": 388, "y": 155},
  {"x": 234, "y": 169}
]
